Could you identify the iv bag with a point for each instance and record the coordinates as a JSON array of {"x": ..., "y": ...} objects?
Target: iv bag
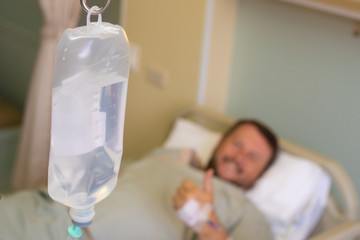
[{"x": 89, "y": 89}]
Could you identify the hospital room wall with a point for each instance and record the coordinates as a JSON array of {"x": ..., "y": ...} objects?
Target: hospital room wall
[
  {"x": 298, "y": 70},
  {"x": 168, "y": 38},
  {"x": 19, "y": 36}
]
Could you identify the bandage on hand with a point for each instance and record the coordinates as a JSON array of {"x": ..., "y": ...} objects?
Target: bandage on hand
[
  {"x": 194, "y": 215},
  {"x": 198, "y": 205}
]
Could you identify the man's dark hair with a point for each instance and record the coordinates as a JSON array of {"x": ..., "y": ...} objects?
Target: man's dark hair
[{"x": 265, "y": 131}]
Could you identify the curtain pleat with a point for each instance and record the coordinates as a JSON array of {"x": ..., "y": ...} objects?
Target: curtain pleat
[{"x": 31, "y": 164}]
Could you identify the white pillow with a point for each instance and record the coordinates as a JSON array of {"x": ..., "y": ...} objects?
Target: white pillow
[
  {"x": 187, "y": 134},
  {"x": 292, "y": 195}
]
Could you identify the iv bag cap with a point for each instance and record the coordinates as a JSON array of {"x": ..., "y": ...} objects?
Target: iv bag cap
[
  {"x": 74, "y": 231},
  {"x": 82, "y": 217}
]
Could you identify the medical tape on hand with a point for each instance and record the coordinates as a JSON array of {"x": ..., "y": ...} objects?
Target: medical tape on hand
[{"x": 193, "y": 214}]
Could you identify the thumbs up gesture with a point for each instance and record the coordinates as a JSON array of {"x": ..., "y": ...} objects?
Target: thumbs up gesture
[
  {"x": 188, "y": 190},
  {"x": 207, "y": 181}
]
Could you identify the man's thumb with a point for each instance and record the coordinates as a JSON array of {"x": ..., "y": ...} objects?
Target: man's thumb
[{"x": 207, "y": 180}]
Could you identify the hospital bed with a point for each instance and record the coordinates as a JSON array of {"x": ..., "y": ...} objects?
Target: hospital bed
[{"x": 340, "y": 218}]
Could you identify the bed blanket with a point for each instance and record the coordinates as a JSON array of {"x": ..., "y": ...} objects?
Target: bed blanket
[{"x": 140, "y": 207}]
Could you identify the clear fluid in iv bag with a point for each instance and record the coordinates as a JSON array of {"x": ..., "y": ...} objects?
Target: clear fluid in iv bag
[
  {"x": 86, "y": 140},
  {"x": 89, "y": 89}
]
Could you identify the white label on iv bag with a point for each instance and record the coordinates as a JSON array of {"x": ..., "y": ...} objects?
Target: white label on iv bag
[
  {"x": 80, "y": 126},
  {"x": 78, "y": 136}
]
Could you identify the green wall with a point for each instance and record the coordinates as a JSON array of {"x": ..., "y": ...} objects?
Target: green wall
[
  {"x": 299, "y": 71},
  {"x": 19, "y": 35}
]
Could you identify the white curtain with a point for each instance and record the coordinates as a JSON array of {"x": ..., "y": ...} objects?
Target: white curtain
[{"x": 31, "y": 165}]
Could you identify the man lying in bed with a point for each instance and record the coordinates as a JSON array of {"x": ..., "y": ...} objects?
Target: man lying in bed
[
  {"x": 244, "y": 153},
  {"x": 242, "y": 157},
  {"x": 142, "y": 204}
]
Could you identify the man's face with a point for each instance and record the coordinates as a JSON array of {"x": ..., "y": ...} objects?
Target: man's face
[{"x": 242, "y": 156}]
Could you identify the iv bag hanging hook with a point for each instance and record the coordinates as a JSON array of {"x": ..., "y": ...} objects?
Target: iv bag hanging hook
[{"x": 96, "y": 12}]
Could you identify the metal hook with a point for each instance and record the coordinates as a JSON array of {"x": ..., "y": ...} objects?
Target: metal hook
[{"x": 96, "y": 12}]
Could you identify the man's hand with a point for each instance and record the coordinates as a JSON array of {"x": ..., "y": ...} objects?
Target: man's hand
[{"x": 188, "y": 190}]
